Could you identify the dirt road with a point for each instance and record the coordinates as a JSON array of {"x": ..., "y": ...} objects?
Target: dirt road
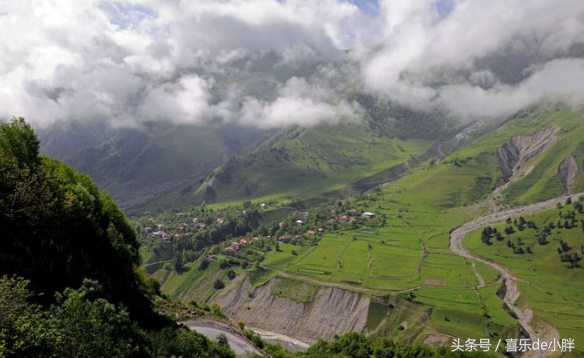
[{"x": 212, "y": 329}]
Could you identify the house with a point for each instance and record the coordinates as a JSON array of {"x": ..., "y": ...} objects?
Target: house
[
  {"x": 229, "y": 248},
  {"x": 353, "y": 220},
  {"x": 285, "y": 239},
  {"x": 148, "y": 230},
  {"x": 180, "y": 214},
  {"x": 353, "y": 211},
  {"x": 263, "y": 206},
  {"x": 158, "y": 233},
  {"x": 220, "y": 221},
  {"x": 343, "y": 218},
  {"x": 256, "y": 239},
  {"x": 368, "y": 214},
  {"x": 299, "y": 222},
  {"x": 235, "y": 245},
  {"x": 282, "y": 224},
  {"x": 160, "y": 226},
  {"x": 195, "y": 220},
  {"x": 320, "y": 229},
  {"x": 310, "y": 232},
  {"x": 244, "y": 241},
  {"x": 200, "y": 226},
  {"x": 306, "y": 214},
  {"x": 332, "y": 221}
]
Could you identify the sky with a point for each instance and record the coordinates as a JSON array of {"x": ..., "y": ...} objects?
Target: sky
[{"x": 273, "y": 63}]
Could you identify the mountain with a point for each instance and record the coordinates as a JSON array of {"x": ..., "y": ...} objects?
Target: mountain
[
  {"x": 301, "y": 163},
  {"x": 135, "y": 164}
]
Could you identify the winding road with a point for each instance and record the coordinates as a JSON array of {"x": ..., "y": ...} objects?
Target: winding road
[
  {"x": 212, "y": 329},
  {"x": 512, "y": 294}
]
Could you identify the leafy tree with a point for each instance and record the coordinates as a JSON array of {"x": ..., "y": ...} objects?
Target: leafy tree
[
  {"x": 58, "y": 228},
  {"x": 94, "y": 327},
  {"x": 24, "y": 331},
  {"x": 203, "y": 264},
  {"x": 230, "y": 274},
  {"x": 218, "y": 284},
  {"x": 19, "y": 141}
]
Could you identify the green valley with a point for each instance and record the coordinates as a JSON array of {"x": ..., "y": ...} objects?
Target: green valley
[{"x": 420, "y": 290}]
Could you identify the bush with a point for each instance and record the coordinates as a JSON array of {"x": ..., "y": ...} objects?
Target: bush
[
  {"x": 218, "y": 284},
  {"x": 222, "y": 339},
  {"x": 203, "y": 264},
  {"x": 223, "y": 264},
  {"x": 230, "y": 274}
]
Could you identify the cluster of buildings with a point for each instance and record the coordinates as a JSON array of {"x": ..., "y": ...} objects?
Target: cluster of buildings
[
  {"x": 157, "y": 230},
  {"x": 236, "y": 245}
]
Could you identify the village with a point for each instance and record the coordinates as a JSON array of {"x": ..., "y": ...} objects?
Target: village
[{"x": 249, "y": 231}]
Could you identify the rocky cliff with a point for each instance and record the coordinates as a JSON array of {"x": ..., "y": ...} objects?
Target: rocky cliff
[
  {"x": 331, "y": 311},
  {"x": 522, "y": 148},
  {"x": 567, "y": 173}
]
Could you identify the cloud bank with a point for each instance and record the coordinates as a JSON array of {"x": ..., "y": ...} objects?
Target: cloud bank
[{"x": 274, "y": 63}]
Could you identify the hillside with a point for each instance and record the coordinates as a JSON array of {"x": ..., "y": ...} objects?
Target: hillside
[
  {"x": 402, "y": 256},
  {"x": 135, "y": 165},
  {"x": 302, "y": 163}
]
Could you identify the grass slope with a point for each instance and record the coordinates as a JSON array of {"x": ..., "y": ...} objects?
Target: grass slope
[{"x": 308, "y": 162}]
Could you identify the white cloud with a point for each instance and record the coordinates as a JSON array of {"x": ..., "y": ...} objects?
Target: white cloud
[
  {"x": 299, "y": 102},
  {"x": 481, "y": 45},
  {"x": 188, "y": 61}
]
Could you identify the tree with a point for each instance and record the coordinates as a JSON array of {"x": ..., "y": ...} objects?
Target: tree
[
  {"x": 218, "y": 284},
  {"x": 93, "y": 326},
  {"x": 18, "y": 140},
  {"x": 58, "y": 228},
  {"x": 230, "y": 274},
  {"x": 178, "y": 262},
  {"x": 222, "y": 339},
  {"x": 203, "y": 264}
]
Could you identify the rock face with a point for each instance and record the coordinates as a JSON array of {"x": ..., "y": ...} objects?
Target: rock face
[
  {"x": 567, "y": 172},
  {"x": 332, "y": 311},
  {"x": 522, "y": 148}
]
